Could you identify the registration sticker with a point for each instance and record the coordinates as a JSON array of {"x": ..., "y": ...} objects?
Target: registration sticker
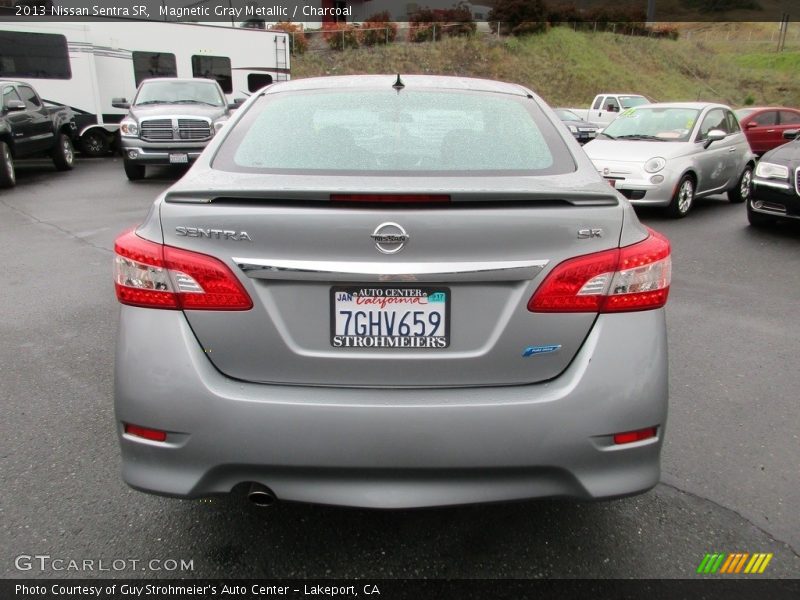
[{"x": 390, "y": 317}]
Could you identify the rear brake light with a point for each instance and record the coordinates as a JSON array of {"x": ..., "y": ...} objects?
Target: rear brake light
[
  {"x": 625, "y": 279},
  {"x": 389, "y": 198},
  {"x": 155, "y": 435},
  {"x": 629, "y": 437},
  {"x": 157, "y": 276}
]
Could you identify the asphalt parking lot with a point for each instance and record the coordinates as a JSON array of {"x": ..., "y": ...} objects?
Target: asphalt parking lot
[{"x": 730, "y": 464}]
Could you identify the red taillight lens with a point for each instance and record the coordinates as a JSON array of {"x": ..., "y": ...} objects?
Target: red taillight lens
[
  {"x": 389, "y": 198},
  {"x": 635, "y": 436},
  {"x": 155, "y": 435},
  {"x": 155, "y": 276},
  {"x": 632, "y": 278}
]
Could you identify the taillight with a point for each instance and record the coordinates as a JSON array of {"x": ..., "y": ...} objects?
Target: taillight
[
  {"x": 625, "y": 279},
  {"x": 157, "y": 276}
]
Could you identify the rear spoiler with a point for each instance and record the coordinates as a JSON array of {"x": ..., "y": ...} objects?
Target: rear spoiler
[{"x": 366, "y": 198}]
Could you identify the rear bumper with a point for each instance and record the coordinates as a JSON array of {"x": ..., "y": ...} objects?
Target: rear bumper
[{"x": 392, "y": 448}]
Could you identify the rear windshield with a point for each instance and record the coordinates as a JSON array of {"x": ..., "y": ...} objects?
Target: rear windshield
[
  {"x": 631, "y": 101},
  {"x": 412, "y": 132},
  {"x": 567, "y": 115}
]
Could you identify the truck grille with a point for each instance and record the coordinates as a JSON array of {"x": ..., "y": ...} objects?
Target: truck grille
[
  {"x": 193, "y": 129},
  {"x": 156, "y": 129},
  {"x": 175, "y": 129}
]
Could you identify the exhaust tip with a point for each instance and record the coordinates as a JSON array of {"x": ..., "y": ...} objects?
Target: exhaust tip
[{"x": 260, "y": 495}]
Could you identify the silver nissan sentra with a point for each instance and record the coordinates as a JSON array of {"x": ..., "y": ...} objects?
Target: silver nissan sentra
[{"x": 392, "y": 291}]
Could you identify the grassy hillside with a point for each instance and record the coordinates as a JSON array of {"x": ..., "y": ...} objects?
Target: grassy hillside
[{"x": 569, "y": 68}]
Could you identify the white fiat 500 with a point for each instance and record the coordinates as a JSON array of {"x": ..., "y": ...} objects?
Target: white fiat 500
[{"x": 670, "y": 154}]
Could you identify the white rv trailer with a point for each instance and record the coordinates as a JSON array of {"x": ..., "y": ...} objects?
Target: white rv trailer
[{"x": 85, "y": 65}]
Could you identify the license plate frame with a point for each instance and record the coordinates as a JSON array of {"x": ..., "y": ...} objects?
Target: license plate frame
[
  {"x": 387, "y": 291},
  {"x": 178, "y": 158}
]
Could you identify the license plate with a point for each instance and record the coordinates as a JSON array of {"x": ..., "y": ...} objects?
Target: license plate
[
  {"x": 178, "y": 159},
  {"x": 390, "y": 317}
]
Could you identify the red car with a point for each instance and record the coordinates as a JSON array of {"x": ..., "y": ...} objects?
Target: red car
[{"x": 764, "y": 125}]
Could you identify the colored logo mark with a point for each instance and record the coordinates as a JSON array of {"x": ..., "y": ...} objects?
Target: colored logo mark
[
  {"x": 736, "y": 562},
  {"x": 532, "y": 350}
]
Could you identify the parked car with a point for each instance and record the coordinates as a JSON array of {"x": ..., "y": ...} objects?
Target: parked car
[
  {"x": 776, "y": 184},
  {"x": 607, "y": 107},
  {"x": 170, "y": 121},
  {"x": 29, "y": 127},
  {"x": 764, "y": 126},
  {"x": 669, "y": 154},
  {"x": 583, "y": 131},
  {"x": 328, "y": 317}
]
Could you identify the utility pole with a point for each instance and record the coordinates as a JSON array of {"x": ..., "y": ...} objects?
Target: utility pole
[
  {"x": 783, "y": 32},
  {"x": 651, "y": 11}
]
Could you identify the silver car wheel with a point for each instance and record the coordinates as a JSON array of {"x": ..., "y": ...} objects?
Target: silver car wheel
[
  {"x": 744, "y": 185},
  {"x": 685, "y": 196}
]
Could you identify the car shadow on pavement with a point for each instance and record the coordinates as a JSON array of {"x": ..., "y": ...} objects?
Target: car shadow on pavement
[{"x": 663, "y": 533}]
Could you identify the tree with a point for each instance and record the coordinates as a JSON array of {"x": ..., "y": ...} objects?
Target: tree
[{"x": 519, "y": 17}]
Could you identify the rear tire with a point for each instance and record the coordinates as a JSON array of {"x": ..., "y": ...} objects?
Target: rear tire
[
  {"x": 63, "y": 154},
  {"x": 757, "y": 219},
  {"x": 133, "y": 170},
  {"x": 8, "y": 175},
  {"x": 95, "y": 144},
  {"x": 683, "y": 199},
  {"x": 742, "y": 190}
]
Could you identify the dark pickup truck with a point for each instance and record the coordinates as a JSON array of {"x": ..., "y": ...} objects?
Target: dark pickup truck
[{"x": 28, "y": 127}]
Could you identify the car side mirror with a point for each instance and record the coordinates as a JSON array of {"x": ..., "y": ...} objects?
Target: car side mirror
[
  {"x": 791, "y": 134},
  {"x": 751, "y": 124},
  {"x": 236, "y": 103},
  {"x": 120, "y": 103},
  {"x": 714, "y": 135},
  {"x": 15, "y": 105}
]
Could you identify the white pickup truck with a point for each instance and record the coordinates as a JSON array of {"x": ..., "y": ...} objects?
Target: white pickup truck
[{"x": 606, "y": 107}]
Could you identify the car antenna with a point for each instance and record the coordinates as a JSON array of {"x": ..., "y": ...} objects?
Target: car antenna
[{"x": 398, "y": 84}]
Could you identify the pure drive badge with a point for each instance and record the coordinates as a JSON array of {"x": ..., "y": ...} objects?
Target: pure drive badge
[{"x": 534, "y": 350}]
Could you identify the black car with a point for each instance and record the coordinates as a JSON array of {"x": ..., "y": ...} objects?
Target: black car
[
  {"x": 31, "y": 127},
  {"x": 775, "y": 191},
  {"x": 582, "y": 130}
]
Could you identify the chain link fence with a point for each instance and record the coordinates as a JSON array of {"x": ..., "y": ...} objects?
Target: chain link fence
[{"x": 327, "y": 40}]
